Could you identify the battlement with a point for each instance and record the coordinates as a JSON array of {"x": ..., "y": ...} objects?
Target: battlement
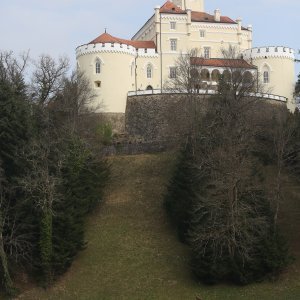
[
  {"x": 269, "y": 52},
  {"x": 114, "y": 48}
]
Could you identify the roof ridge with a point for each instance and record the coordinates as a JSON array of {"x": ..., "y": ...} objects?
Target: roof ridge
[{"x": 108, "y": 38}]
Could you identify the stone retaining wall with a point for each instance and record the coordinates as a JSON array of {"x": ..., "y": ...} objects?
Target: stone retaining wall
[
  {"x": 160, "y": 117},
  {"x": 169, "y": 116}
]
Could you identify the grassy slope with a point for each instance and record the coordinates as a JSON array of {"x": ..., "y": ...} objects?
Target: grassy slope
[{"x": 132, "y": 252}]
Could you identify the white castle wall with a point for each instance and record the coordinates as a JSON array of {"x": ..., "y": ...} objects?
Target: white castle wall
[
  {"x": 279, "y": 62},
  {"x": 117, "y": 75}
]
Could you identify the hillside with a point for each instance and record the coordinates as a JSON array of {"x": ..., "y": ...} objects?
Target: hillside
[{"x": 132, "y": 253}]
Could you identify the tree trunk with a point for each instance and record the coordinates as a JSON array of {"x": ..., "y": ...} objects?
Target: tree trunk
[
  {"x": 46, "y": 246},
  {"x": 7, "y": 282}
]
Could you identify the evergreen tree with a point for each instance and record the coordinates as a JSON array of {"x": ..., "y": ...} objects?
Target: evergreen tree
[
  {"x": 83, "y": 181},
  {"x": 220, "y": 193},
  {"x": 15, "y": 131}
]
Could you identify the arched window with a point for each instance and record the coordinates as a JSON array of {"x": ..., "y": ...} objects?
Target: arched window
[
  {"x": 266, "y": 77},
  {"x": 237, "y": 77},
  {"x": 149, "y": 71},
  {"x": 227, "y": 76},
  {"x": 215, "y": 75},
  {"x": 98, "y": 66},
  {"x": 247, "y": 78},
  {"x": 265, "y": 72},
  {"x": 205, "y": 75}
]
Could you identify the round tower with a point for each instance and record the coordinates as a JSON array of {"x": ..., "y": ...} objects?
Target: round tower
[
  {"x": 110, "y": 65},
  {"x": 276, "y": 69},
  {"x": 108, "y": 68}
]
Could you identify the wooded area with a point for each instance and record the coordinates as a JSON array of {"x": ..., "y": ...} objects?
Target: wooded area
[
  {"x": 50, "y": 175},
  {"x": 222, "y": 200}
]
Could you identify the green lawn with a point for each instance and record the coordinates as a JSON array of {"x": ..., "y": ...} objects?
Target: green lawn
[{"x": 132, "y": 252}]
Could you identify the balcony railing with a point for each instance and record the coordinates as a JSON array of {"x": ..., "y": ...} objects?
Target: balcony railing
[{"x": 203, "y": 92}]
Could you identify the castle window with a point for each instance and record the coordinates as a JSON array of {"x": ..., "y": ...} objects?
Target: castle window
[
  {"x": 266, "y": 77},
  {"x": 173, "y": 43},
  {"x": 202, "y": 33},
  {"x": 173, "y": 72},
  {"x": 206, "y": 52},
  {"x": 149, "y": 71},
  {"x": 258, "y": 50},
  {"x": 267, "y": 50},
  {"x": 276, "y": 49},
  {"x": 173, "y": 25},
  {"x": 98, "y": 84},
  {"x": 98, "y": 67}
]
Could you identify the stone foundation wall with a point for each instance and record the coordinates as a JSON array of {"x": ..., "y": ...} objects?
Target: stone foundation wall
[
  {"x": 162, "y": 117},
  {"x": 116, "y": 120},
  {"x": 168, "y": 117}
]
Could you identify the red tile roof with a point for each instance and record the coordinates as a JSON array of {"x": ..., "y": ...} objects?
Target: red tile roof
[
  {"x": 204, "y": 17},
  {"x": 197, "y": 16},
  {"x": 170, "y": 8},
  {"x": 223, "y": 63},
  {"x": 107, "y": 38}
]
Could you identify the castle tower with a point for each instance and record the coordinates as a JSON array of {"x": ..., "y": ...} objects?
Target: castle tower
[
  {"x": 276, "y": 68},
  {"x": 194, "y": 5}
]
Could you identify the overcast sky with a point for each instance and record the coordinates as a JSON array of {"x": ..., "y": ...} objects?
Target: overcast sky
[{"x": 57, "y": 27}]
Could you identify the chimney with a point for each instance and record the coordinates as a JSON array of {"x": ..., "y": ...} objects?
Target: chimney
[
  {"x": 189, "y": 20},
  {"x": 217, "y": 15},
  {"x": 239, "y": 22},
  {"x": 157, "y": 18}
]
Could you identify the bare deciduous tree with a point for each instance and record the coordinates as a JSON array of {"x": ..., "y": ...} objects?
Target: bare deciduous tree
[{"x": 48, "y": 78}]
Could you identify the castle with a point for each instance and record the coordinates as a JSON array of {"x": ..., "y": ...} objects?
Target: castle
[{"x": 118, "y": 67}]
